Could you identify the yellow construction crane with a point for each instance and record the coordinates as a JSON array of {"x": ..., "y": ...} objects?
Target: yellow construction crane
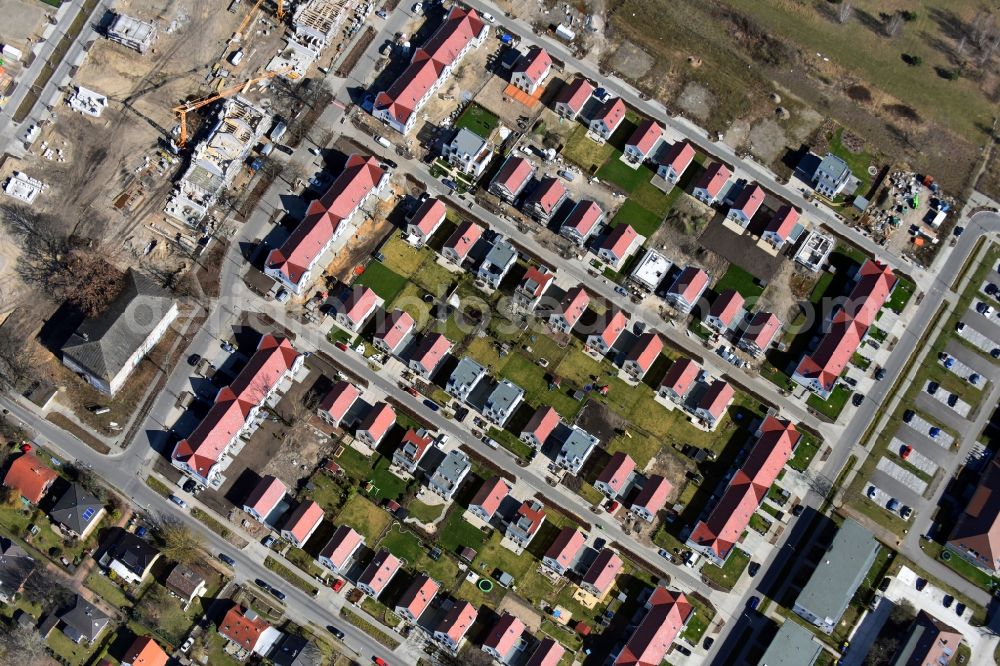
[
  {"x": 184, "y": 109},
  {"x": 280, "y": 14},
  {"x": 246, "y": 20}
]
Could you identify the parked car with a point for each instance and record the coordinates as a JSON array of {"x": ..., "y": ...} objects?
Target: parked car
[
  {"x": 752, "y": 603},
  {"x": 190, "y": 486},
  {"x": 488, "y": 17},
  {"x": 431, "y": 405},
  {"x": 905, "y": 512},
  {"x": 568, "y": 175},
  {"x": 753, "y": 568},
  {"x": 880, "y": 374},
  {"x": 932, "y": 388},
  {"x": 892, "y": 504},
  {"x": 709, "y": 642},
  {"x": 178, "y": 501},
  {"x": 905, "y": 450},
  {"x": 884, "y": 585},
  {"x": 268, "y": 541},
  {"x": 857, "y": 399},
  {"x": 193, "y": 359},
  {"x": 281, "y": 296},
  {"x": 342, "y": 346},
  {"x": 379, "y": 661},
  {"x": 337, "y": 585},
  {"x": 798, "y": 509},
  {"x": 871, "y": 492},
  {"x": 262, "y": 584},
  {"x": 920, "y": 584},
  {"x": 336, "y": 632},
  {"x": 991, "y": 289},
  {"x": 908, "y": 415},
  {"x": 952, "y": 400},
  {"x": 985, "y": 310},
  {"x": 228, "y": 560},
  {"x": 959, "y": 609},
  {"x": 947, "y": 601},
  {"x": 227, "y": 347},
  {"x": 683, "y": 650},
  {"x": 277, "y": 594}
]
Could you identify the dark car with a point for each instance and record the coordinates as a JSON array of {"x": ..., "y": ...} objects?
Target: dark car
[
  {"x": 194, "y": 359},
  {"x": 431, "y": 405},
  {"x": 190, "y": 486},
  {"x": 228, "y": 560},
  {"x": 709, "y": 642},
  {"x": 932, "y": 388},
  {"x": 991, "y": 289},
  {"x": 959, "y": 609},
  {"x": 952, "y": 400},
  {"x": 262, "y": 584},
  {"x": 336, "y": 632},
  {"x": 798, "y": 509},
  {"x": 880, "y": 374},
  {"x": 752, "y": 603},
  {"x": 278, "y": 594},
  {"x": 753, "y": 569},
  {"x": 958, "y": 231},
  {"x": 947, "y": 601},
  {"x": 857, "y": 400},
  {"x": 884, "y": 585},
  {"x": 908, "y": 415},
  {"x": 683, "y": 650},
  {"x": 389, "y": 163},
  {"x": 920, "y": 584}
]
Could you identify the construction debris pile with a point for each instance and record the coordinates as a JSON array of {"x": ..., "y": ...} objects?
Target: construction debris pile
[
  {"x": 315, "y": 26},
  {"x": 912, "y": 202}
]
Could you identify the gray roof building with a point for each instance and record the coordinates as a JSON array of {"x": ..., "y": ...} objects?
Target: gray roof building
[
  {"x": 106, "y": 348},
  {"x": 497, "y": 263},
  {"x": 831, "y": 175},
  {"x": 16, "y": 566},
  {"x": 83, "y": 621},
  {"x": 77, "y": 510},
  {"x": 294, "y": 650},
  {"x": 576, "y": 448},
  {"x": 132, "y": 553},
  {"x": 464, "y": 378},
  {"x": 793, "y": 645},
  {"x": 825, "y": 597},
  {"x": 450, "y": 473},
  {"x": 502, "y": 402}
]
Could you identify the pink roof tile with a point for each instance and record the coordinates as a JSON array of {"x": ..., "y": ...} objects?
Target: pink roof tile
[
  {"x": 419, "y": 595},
  {"x": 394, "y": 328},
  {"x": 749, "y": 200},
  {"x": 715, "y": 176},
  {"x": 620, "y": 240},
  {"x": 505, "y": 634},
  {"x": 339, "y": 399},
  {"x": 464, "y": 238},
  {"x": 266, "y": 495},
  {"x": 691, "y": 282},
  {"x": 612, "y": 112},
  {"x": 679, "y": 156},
  {"x": 304, "y": 520},
  {"x": 603, "y": 570},
  {"x": 431, "y": 350},
  {"x": 380, "y": 571},
  {"x": 420, "y": 444},
  {"x": 548, "y": 194},
  {"x": 341, "y": 545},
  {"x": 567, "y": 545},
  {"x": 491, "y": 494},
  {"x": 379, "y": 420},
  {"x": 576, "y": 94},
  {"x": 645, "y": 136},
  {"x": 543, "y": 422},
  {"x": 681, "y": 375},
  {"x": 654, "y": 493},
  {"x": 458, "y": 620},
  {"x": 514, "y": 174},
  {"x": 574, "y": 304},
  {"x": 548, "y": 653},
  {"x": 614, "y": 322},
  {"x": 534, "y": 64},
  {"x": 783, "y": 221},
  {"x": 762, "y": 329},
  {"x": 726, "y": 306},
  {"x": 645, "y": 350},
  {"x": 617, "y": 471},
  {"x": 716, "y": 398},
  {"x": 584, "y": 216},
  {"x": 429, "y": 216},
  {"x": 648, "y": 644},
  {"x": 359, "y": 303},
  {"x": 324, "y": 215}
]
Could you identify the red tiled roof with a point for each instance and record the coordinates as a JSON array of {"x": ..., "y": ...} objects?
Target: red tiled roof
[
  {"x": 650, "y": 641},
  {"x": 978, "y": 528},
  {"x": 679, "y": 156},
  {"x": 749, "y": 200},
  {"x": 394, "y": 328},
  {"x": 654, "y": 494},
  {"x": 418, "y": 596},
  {"x": 603, "y": 570},
  {"x": 378, "y": 420},
  {"x": 340, "y": 546},
  {"x": 574, "y": 304},
  {"x": 620, "y": 240},
  {"x": 536, "y": 280},
  {"x": 324, "y": 216},
  {"x": 490, "y": 494},
  {"x": 266, "y": 495},
  {"x": 243, "y": 631},
  {"x": 645, "y": 350},
  {"x": 584, "y": 216},
  {"x": 303, "y": 520},
  {"x": 543, "y": 422},
  {"x": 548, "y": 653},
  {"x": 716, "y": 398},
  {"x": 429, "y": 216},
  {"x": 691, "y": 282},
  {"x": 783, "y": 221},
  {"x": 145, "y": 652},
  {"x": 339, "y": 399},
  {"x": 380, "y": 571},
  {"x": 548, "y": 194},
  {"x": 748, "y": 487},
  {"x": 714, "y": 178},
  {"x": 505, "y": 634},
  {"x": 514, "y": 174},
  {"x": 535, "y": 515},
  {"x": 617, "y": 471},
  {"x": 681, "y": 375},
  {"x": 612, "y": 112},
  {"x": 849, "y": 325},
  {"x": 566, "y": 547},
  {"x": 534, "y": 64},
  {"x": 934, "y": 642},
  {"x": 645, "y": 136},
  {"x": 29, "y": 477},
  {"x": 431, "y": 350},
  {"x": 429, "y": 62},
  {"x": 359, "y": 303},
  {"x": 576, "y": 94},
  {"x": 464, "y": 238},
  {"x": 614, "y": 322},
  {"x": 420, "y": 443},
  {"x": 458, "y": 620},
  {"x": 726, "y": 306},
  {"x": 762, "y": 329},
  {"x": 227, "y": 416}
]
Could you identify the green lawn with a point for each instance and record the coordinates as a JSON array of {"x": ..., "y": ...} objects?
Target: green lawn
[
  {"x": 15, "y": 521},
  {"x": 589, "y": 155},
  {"x": 653, "y": 199},
  {"x": 107, "y": 589},
  {"x": 382, "y": 281},
  {"x": 289, "y": 575},
  {"x": 479, "y": 120},
  {"x": 967, "y": 570},
  {"x": 326, "y": 492},
  {"x": 832, "y": 406},
  {"x": 901, "y": 295},
  {"x": 527, "y": 374},
  {"x": 68, "y": 651},
  {"x": 425, "y": 513},
  {"x": 455, "y": 533},
  {"x": 432, "y": 276},
  {"x": 369, "y": 628},
  {"x": 617, "y": 172},
  {"x": 369, "y": 520},
  {"x": 804, "y": 452},
  {"x": 759, "y": 523},
  {"x": 698, "y": 622},
  {"x": 643, "y": 221},
  {"x": 401, "y": 257},
  {"x": 386, "y": 485},
  {"x": 729, "y": 573},
  {"x": 406, "y": 545},
  {"x": 304, "y": 561},
  {"x": 858, "y": 162},
  {"x": 510, "y": 442},
  {"x": 739, "y": 280},
  {"x": 410, "y": 300},
  {"x": 157, "y": 485}
]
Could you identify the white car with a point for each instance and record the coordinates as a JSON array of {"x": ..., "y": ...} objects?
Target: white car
[
  {"x": 489, "y": 18},
  {"x": 418, "y": 8}
]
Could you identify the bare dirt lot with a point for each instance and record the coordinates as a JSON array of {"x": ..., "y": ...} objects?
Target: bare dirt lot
[{"x": 23, "y": 20}]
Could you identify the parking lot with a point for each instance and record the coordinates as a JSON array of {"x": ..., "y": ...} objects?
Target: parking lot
[{"x": 951, "y": 400}]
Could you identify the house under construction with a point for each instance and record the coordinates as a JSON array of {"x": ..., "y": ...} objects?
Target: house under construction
[
  {"x": 132, "y": 32},
  {"x": 316, "y": 22},
  {"x": 216, "y": 160}
]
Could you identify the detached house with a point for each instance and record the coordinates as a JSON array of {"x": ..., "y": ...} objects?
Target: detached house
[
  {"x": 642, "y": 355},
  {"x": 449, "y": 474},
  {"x": 455, "y": 624},
  {"x": 488, "y": 498},
  {"x": 573, "y": 97},
  {"x": 929, "y": 642},
  {"x": 530, "y": 516},
  {"x": 532, "y": 287},
  {"x": 186, "y": 584},
  {"x": 620, "y": 244},
  {"x": 746, "y": 205},
  {"x": 532, "y": 68},
  {"x": 358, "y": 306},
  {"x": 83, "y": 621},
  {"x": 130, "y": 557},
  {"x": 340, "y": 550},
  {"x": 616, "y": 474},
  {"x": 576, "y": 447},
  {"x": 513, "y": 177},
  {"x": 546, "y": 199},
  {"x": 710, "y": 186},
  {"x": 502, "y": 402},
  {"x": 411, "y": 450},
  {"x": 302, "y": 522},
  {"x": 779, "y": 229},
  {"x": 652, "y": 498},
  {"x": 337, "y": 402},
  {"x": 466, "y": 375},
  {"x": 77, "y": 511},
  {"x": 713, "y": 403},
  {"x": 675, "y": 162},
  {"x": 643, "y": 140},
  {"x": 144, "y": 651},
  {"x": 248, "y": 630},
  {"x": 540, "y": 426},
  {"x": 394, "y": 332},
  {"x": 417, "y": 598},
  {"x": 503, "y": 641},
  {"x": 607, "y": 118},
  {"x": 679, "y": 380},
  {"x": 30, "y": 478},
  {"x": 570, "y": 309},
  {"x": 16, "y": 567},
  {"x": 608, "y": 329},
  {"x": 582, "y": 221},
  {"x": 563, "y": 552},
  {"x": 376, "y": 424},
  {"x": 456, "y": 249},
  {"x": 760, "y": 333},
  {"x": 498, "y": 262},
  {"x": 601, "y": 573},
  {"x": 426, "y": 220},
  {"x": 725, "y": 311},
  {"x": 428, "y": 355},
  {"x": 832, "y": 176},
  {"x": 379, "y": 573},
  {"x": 468, "y": 152},
  {"x": 687, "y": 288}
]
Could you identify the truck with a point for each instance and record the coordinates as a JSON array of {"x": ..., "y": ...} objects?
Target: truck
[{"x": 382, "y": 141}]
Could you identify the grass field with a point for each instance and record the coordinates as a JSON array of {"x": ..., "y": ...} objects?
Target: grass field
[
  {"x": 383, "y": 281},
  {"x": 739, "y": 280},
  {"x": 859, "y": 162},
  {"x": 643, "y": 221},
  {"x": 479, "y": 120},
  {"x": 729, "y": 573},
  {"x": 589, "y": 155},
  {"x": 107, "y": 589},
  {"x": 425, "y": 513},
  {"x": 614, "y": 170},
  {"x": 805, "y": 451},
  {"x": 901, "y": 295},
  {"x": 455, "y": 533},
  {"x": 369, "y": 520},
  {"x": 832, "y": 406},
  {"x": 405, "y": 545},
  {"x": 289, "y": 575}
]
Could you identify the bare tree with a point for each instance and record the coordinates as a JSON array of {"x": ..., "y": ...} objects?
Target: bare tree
[
  {"x": 18, "y": 362},
  {"x": 988, "y": 50},
  {"x": 894, "y": 24},
  {"x": 846, "y": 12},
  {"x": 46, "y": 589},
  {"x": 180, "y": 542},
  {"x": 982, "y": 27},
  {"x": 20, "y": 645}
]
